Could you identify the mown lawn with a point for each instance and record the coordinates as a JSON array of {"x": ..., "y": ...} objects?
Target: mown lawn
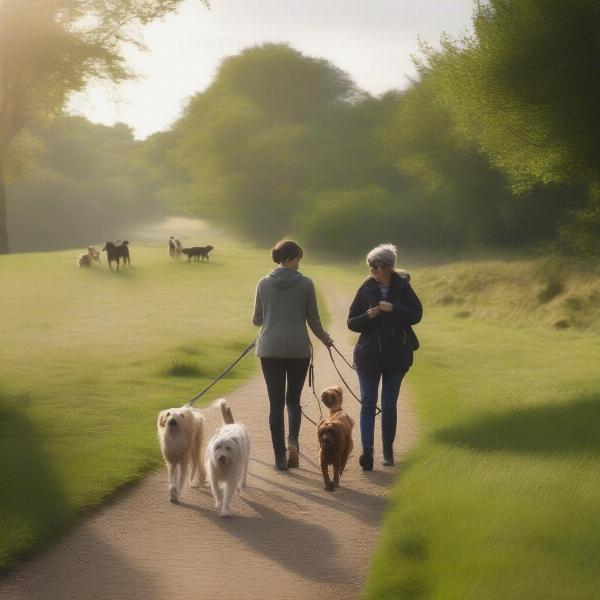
[
  {"x": 87, "y": 360},
  {"x": 500, "y": 498}
]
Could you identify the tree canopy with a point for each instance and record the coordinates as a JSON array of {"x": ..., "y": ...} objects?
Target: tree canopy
[{"x": 51, "y": 48}]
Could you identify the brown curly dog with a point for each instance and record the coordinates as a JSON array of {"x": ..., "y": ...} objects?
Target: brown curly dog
[{"x": 335, "y": 437}]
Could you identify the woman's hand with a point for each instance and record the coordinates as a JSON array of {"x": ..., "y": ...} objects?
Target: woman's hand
[
  {"x": 329, "y": 343},
  {"x": 386, "y": 306},
  {"x": 373, "y": 312}
]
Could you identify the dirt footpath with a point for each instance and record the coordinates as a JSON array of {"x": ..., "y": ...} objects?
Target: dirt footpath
[{"x": 289, "y": 538}]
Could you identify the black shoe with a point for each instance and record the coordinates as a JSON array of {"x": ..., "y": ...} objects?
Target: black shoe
[
  {"x": 280, "y": 463},
  {"x": 388, "y": 455},
  {"x": 366, "y": 459}
]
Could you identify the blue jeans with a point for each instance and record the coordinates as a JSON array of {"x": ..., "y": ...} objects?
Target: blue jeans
[{"x": 369, "y": 390}]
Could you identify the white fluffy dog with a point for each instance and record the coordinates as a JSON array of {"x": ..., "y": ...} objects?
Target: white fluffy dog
[
  {"x": 181, "y": 436},
  {"x": 227, "y": 457}
]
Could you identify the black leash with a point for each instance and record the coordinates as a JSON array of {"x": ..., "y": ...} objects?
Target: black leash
[
  {"x": 377, "y": 409},
  {"x": 311, "y": 379},
  {"x": 311, "y": 385},
  {"x": 190, "y": 402}
]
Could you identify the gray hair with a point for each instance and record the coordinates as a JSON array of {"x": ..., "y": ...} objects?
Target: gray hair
[{"x": 384, "y": 254}]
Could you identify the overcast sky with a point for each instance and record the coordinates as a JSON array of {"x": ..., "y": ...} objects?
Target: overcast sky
[{"x": 370, "y": 39}]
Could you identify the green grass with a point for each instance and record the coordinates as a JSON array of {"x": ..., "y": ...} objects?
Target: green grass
[
  {"x": 88, "y": 358},
  {"x": 500, "y": 498}
]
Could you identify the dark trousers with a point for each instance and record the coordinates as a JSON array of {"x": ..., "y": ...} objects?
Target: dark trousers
[
  {"x": 276, "y": 372},
  {"x": 369, "y": 390}
]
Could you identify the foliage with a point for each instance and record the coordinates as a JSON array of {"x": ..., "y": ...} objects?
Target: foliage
[
  {"x": 91, "y": 184},
  {"x": 282, "y": 143},
  {"x": 254, "y": 136},
  {"x": 50, "y": 48},
  {"x": 525, "y": 89}
]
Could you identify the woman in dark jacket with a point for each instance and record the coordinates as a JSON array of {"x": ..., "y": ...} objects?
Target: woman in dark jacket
[{"x": 384, "y": 308}]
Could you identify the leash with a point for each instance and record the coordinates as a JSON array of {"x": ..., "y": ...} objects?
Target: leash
[
  {"x": 311, "y": 385},
  {"x": 311, "y": 379},
  {"x": 377, "y": 409},
  {"x": 237, "y": 360}
]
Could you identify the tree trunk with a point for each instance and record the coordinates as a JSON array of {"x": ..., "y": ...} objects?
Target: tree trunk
[{"x": 3, "y": 213}]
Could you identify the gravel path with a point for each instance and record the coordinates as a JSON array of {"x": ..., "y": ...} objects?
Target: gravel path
[{"x": 289, "y": 538}]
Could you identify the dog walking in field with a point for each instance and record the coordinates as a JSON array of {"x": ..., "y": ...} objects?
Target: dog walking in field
[
  {"x": 86, "y": 260},
  {"x": 181, "y": 437},
  {"x": 334, "y": 434},
  {"x": 117, "y": 251},
  {"x": 175, "y": 248},
  {"x": 197, "y": 251},
  {"x": 227, "y": 458}
]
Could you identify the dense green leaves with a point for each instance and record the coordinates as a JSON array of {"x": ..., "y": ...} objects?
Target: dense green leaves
[
  {"x": 496, "y": 144},
  {"x": 281, "y": 142},
  {"x": 526, "y": 89}
]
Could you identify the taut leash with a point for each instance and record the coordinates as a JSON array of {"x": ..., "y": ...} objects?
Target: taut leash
[
  {"x": 377, "y": 409},
  {"x": 311, "y": 385},
  {"x": 237, "y": 360}
]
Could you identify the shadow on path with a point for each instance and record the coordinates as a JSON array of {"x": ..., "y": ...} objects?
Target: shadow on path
[{"x": 304, "y": 548}]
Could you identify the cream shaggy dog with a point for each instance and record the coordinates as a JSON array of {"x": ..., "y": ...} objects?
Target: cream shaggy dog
[
  {"x": 181, "y": 436},
  {"x": 86, "y": 260},
  {"x": 227, "y": 458}
]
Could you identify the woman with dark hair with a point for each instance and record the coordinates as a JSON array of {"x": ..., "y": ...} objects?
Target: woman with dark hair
[
  {"x": 382, "y": 312},
  {"x": 285, "y": 301}
]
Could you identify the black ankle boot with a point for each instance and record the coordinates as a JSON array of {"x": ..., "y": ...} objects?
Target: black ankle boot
[
  {"x": 388, "y": 455},
  {"x": 280, "y": 464},
  {"x": 366, "y": 459}
]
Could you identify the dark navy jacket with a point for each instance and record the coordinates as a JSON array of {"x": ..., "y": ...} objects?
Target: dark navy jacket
[{"x": 383, "y": 344}]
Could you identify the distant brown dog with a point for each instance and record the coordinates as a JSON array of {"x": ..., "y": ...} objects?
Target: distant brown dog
[{"x": 335, "y": 437}]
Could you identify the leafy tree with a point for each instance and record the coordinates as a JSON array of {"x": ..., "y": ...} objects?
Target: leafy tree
[
  {"x": 526, "y": 88},
  {"x": 50, "y": 48},
  {"x": 249, "y": 141}
]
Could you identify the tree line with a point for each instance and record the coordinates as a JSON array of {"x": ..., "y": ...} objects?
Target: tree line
[{"x": 493, "y": 145}]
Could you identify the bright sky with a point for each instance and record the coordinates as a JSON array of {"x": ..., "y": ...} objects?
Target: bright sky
[{"x": 370, "y": 39}]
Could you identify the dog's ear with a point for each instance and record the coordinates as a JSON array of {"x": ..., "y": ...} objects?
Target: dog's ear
[
  {"x": 337, "y": 389},
  {"x": 162, "y": 418}
]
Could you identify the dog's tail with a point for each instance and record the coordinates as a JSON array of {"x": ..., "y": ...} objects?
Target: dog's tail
[{"x": 226, "y": 413}]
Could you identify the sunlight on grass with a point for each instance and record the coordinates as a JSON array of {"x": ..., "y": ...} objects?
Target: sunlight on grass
[
  {"x": 499, "y": 500},
  {"x": 88, "y": 359}
]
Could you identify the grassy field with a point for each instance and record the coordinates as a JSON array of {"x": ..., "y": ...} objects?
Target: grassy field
[
  {"x": 500, "y": 498},
  {"x": 88, "y": 357}
]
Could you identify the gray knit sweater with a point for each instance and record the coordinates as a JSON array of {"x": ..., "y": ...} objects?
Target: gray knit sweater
[{"x": 285, "y": 302}]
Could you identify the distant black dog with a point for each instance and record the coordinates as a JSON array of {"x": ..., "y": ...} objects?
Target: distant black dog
[
  {"x": 114, "y": 252},
  {"x": 198, "y": 251}
]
